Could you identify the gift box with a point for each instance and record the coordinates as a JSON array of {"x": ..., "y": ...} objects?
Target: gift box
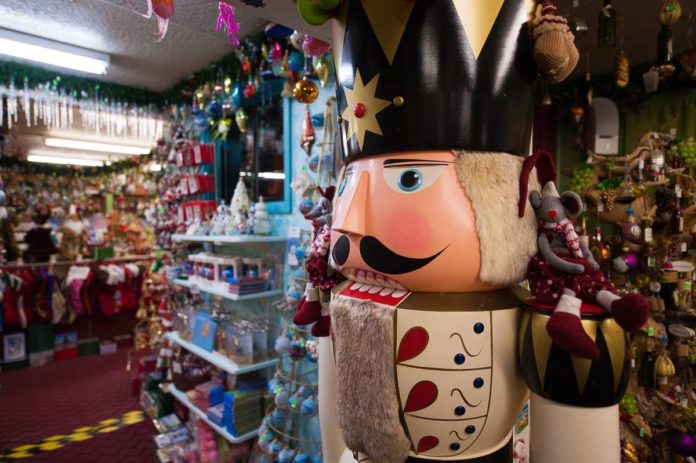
[
  {"x": 41, "y": 337},
  {"x": 89, "y": 346},
  {"x": 107, "y": 347},
  {"x": 65, "y": 353},
  {"x": 37, "y": 359}
]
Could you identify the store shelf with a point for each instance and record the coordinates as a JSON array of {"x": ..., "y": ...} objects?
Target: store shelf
[
  {"x": 181, "y": 397},
  {"x": 222, "y": 292},
  {"x": 235, "y": 239},
  {"x": 219, "y": 360}
]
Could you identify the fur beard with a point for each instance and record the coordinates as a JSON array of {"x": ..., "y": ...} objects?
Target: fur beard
[{"x": 368, "y": 409}]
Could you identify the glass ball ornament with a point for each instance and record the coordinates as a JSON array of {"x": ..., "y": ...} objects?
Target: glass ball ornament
[
  {"x": 301, "y": 457},
  {"x": 306, "y": 392},
  {"x": 314, "y": 163},
  {"x": 286, "y": 455},
  {"x": 276, "y": 418},
  {"x": 318, "y": 458},
  {"x": 306, "y": 91},
  {"x": 323, "y": 70},
  {"x": 281, "y": 400},
  {"x": 237, "y": 92},
  {"x": 241, "y": 118},
  {"x": 275, "y": 447},
  {"x": 282, "y": 345},
  {"x": 296, "y": 61},
  {"x": 293, "y": 296},
  {"x": 309, "y": 407},
  {"x": 294, "y": 402},
  {"x": 265, "y": 440},
  {"x": 214, "y": 110},
  {"x": 300, "y": 252},
  {"x": 300, "y": 274},
  {"x": 305, "y": 206},
  {"x": 249, "y": 90}
]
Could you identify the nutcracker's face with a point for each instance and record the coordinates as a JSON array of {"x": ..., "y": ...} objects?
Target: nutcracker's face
[{"x": 405, "y": 217}]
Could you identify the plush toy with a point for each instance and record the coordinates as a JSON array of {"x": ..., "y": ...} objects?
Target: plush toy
[{"x": 565, "y": 273}]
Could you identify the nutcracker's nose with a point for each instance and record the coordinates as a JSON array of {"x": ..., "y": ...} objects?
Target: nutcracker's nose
[{"x": 353, "y": 221}]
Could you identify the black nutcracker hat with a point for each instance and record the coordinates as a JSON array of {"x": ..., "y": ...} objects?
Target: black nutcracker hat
[{"x": 434, "y": 75}]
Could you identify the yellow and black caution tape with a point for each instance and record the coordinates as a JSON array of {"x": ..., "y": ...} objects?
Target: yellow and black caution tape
[{"x": 77, "y": 435}]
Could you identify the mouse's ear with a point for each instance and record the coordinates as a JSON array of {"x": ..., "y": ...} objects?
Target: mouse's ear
[
  {"x": 535, "y": 199},
  {"x": 572, "y": 203}
]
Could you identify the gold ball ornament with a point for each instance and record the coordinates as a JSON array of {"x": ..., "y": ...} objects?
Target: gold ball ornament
[
  {"x": 306, "y": 91},
  {"x": 323, "y": 70},
  {"x": 241, "y": 118}
]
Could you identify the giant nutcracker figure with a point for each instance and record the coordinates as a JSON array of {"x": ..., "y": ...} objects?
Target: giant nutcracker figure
[{"x": 424, "y": 362}]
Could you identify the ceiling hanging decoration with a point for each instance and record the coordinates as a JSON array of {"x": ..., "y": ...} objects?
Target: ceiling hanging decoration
[
  {"x": 226, "y": 18},
  {"x": 163, "y": 10},
  {"x": 56, "y": 106}
]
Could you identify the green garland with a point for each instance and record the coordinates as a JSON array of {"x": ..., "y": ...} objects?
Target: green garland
[{"x": 74, "y": 85}]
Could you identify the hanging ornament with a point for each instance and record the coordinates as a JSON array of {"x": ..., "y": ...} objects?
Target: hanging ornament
[
  {"x": 606, "y": 26},
  {"x": 296, "y": 61},
  {"x": 246, "y": 66},
  {"x": 226, "y": 18},
  {"x": 241, "y": 119},
  {"x": 305, "y": 206},
  {"x": 296, "y": 39},
  {"x": 301, "y": 457},
  {"x": 163, "y": 10},
  {"x": 306, "y": 92},
  {"x": 237, "y": 94},
  {"x": 313, "y": 46},
  {"x": 622, "y": 70},
  {"x": 277, "y": 59},
  {"x": 277, "y": 31},
  {"x": 323, "y": 70},
  {"x": 308, "y": 134},
  {"x": 313, "y": 163},
  {"x": 249, "y": 90},
  {"x": 670, "y": 12}
]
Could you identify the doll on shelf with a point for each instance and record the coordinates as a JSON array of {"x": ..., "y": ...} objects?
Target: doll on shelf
[
  {"x": 565, "y": 274},
  {"x": 72, "y": 243}
]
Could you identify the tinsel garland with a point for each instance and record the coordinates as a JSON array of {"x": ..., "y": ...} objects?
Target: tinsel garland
[{"x": 76, "y": 86}]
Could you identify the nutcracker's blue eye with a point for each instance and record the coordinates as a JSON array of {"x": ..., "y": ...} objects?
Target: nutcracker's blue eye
[{"x": 410, "y": 180}]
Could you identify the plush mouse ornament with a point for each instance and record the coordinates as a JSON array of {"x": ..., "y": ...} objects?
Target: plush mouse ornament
[
  {"x": 554, "y": 44},
  {"x": 565, "y": 273}
]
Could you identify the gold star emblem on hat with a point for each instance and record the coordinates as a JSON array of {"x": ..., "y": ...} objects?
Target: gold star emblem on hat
[{"x": 362, "y": 107}]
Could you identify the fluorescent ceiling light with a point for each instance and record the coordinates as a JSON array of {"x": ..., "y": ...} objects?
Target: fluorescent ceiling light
[
  {"x": 92, "y": 146},
  {"x": 64, "y": 161},
  {"x": 46, "y": 51},
  {"x": 266, "y": 175}
]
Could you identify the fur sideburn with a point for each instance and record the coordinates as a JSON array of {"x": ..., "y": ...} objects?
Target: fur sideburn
[
  {"x": 368, "y": 411},
  {"x": 491, "y": 181}
]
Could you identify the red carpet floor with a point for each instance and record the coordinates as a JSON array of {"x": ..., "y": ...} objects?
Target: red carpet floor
[{"x": 58, "y": 398}]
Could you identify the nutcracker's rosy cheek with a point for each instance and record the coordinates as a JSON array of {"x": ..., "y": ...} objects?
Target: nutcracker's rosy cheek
[{"x": 407, "y": 231}]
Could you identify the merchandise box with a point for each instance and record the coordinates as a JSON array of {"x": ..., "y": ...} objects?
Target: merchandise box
[
  {"x": 40, "y": 337},
  {"x": 65, "y": 353},
  {"x": 67, "y": 339},
  {"x": 37, "y": 359},
  {"x": 89, "y": 346},
  {"x": 14, "y": 348},
  {"x": 204, "y": 331},
  {"x": 107, "y": 347}
]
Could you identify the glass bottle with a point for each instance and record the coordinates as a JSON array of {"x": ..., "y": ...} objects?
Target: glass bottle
[
  {"x": 606, "y": 26},
  {"x": 665, "y": 50},
  {"x": 646, "y": 373}
]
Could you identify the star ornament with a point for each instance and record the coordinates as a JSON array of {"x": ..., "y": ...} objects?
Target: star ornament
[{"x": 362, "y": 107}]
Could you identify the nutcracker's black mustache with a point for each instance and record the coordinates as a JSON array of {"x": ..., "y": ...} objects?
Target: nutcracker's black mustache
[{"x": 379, "y": 257}]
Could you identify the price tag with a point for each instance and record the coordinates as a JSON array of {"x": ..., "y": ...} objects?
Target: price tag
[
  {"x": 672, "y": 132},
  {"x": 683, "y": 246},
  {"x": 651, "y": 261},
  {"x": 197, "y": 155},
  {"x": 600, "y": 206},
  {"x": 678, "y": 191},
  {"x": 648, "y": 234}
]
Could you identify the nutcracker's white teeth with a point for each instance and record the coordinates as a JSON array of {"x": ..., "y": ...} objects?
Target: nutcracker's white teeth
[{"x": 373, "y": 283}]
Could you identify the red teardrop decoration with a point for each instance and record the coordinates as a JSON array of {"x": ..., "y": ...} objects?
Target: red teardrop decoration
[
  {"x": 412, "y": 344},
  {"x": 427, "y": 443},
  {"x": 421, "y": 396}
]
